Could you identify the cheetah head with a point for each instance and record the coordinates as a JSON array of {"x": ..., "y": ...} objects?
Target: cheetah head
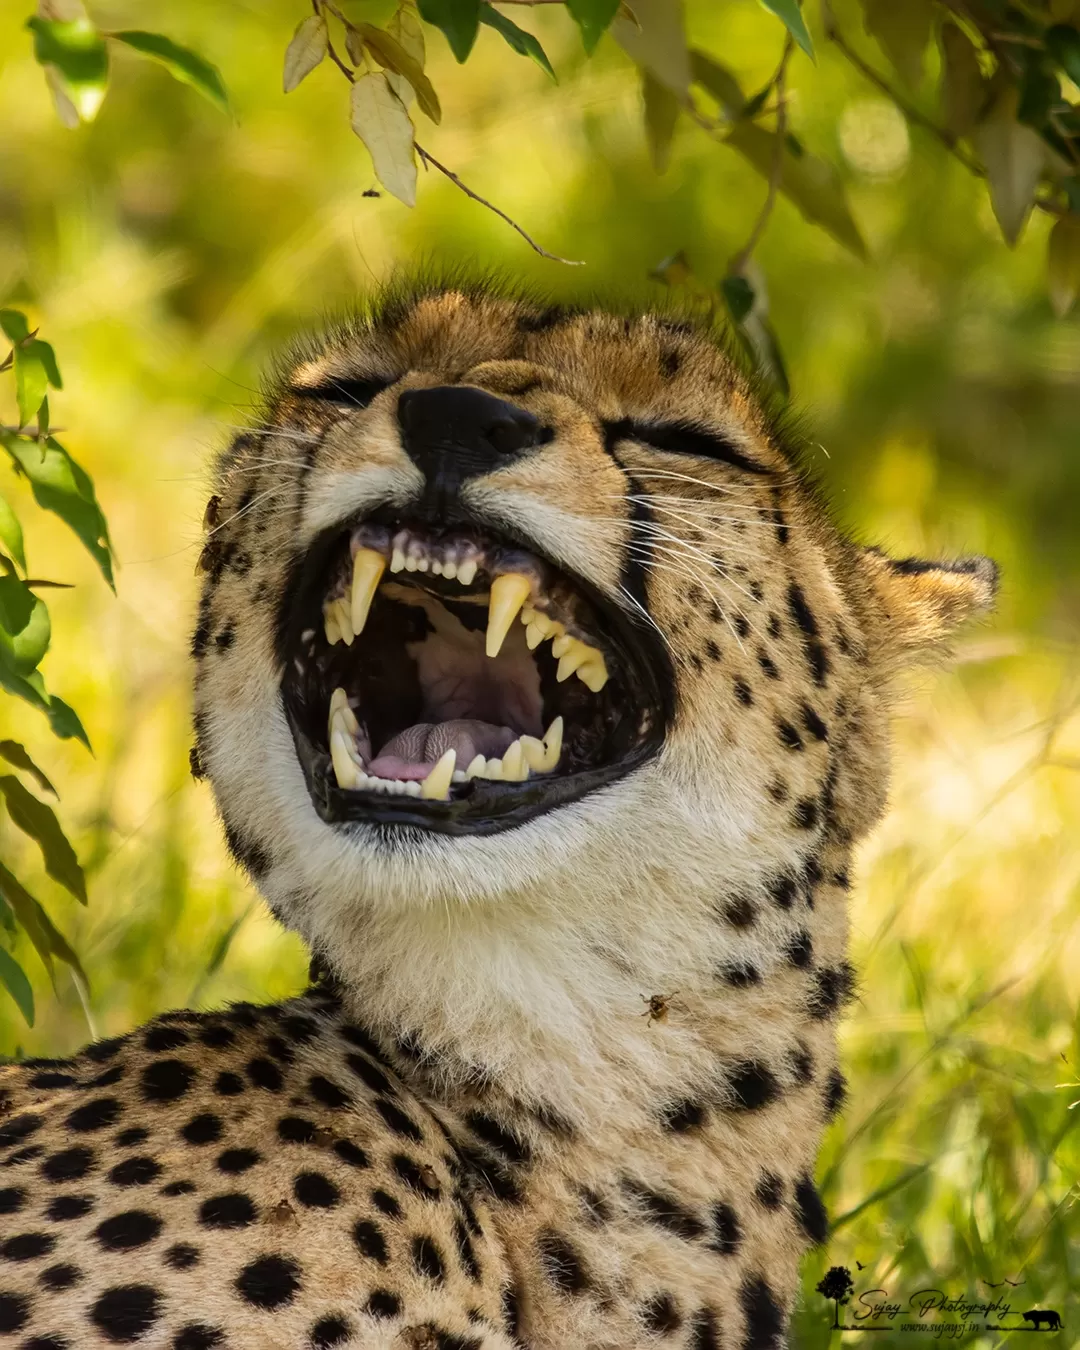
[{"x": 509, "y": 601}]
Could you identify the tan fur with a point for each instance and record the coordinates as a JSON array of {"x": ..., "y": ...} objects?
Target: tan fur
[{"x": 629, "y": 1181}]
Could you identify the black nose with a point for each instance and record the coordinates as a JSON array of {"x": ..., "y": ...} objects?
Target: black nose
[{"x": 455, "y": 432}]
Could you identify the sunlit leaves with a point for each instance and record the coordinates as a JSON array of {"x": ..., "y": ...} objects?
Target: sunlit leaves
[
  {"x": 75, "y": 53},
  {"x": 522, "y": 42},
  {"x": 593, "y": 17},
  {"x": 790, "y": 15},
  {"x": 11, "y": 535},
  {"x": 38, "y": 820},
  {"x": 13, "y": 978},
  {"x": 16, "y": 755},
  {"x": 655, "y": 39},
  {"x": 24, "y": 626},
  {"x": 48, "y": 941},
  {"x": 810, "y": 183},
  {"x": 661, "y": 114},
  {"x": 394, "y": 56},
  {"x": 1014, "y": 156},
  {"x": 458, "y": 20},
  {"x": 64, "y": 721},
  {"x": 1063, "y": 264},
  {"x": 304, "y": 52},
  {"x": 903, "y": 30},
  {"x": 407, "y": 30},
  {"x": 61, "y": 486},
  {"x": 181, "y": 62},
  {"x": 382, "y": 122}
]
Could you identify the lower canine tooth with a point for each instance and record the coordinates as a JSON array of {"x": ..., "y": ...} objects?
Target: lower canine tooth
[
  {"x": 553, "y": 744},
  {"x": 436, "y": 786},
  {"x": 508, "y": 593},
  {"x": 368, "y": 567}
]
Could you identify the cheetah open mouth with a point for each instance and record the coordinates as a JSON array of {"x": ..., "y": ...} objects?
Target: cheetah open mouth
[{"x": 452, "y": 679}]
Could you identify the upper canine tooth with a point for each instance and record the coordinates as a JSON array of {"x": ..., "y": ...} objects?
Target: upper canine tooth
[
  {"x": 515, "y": 769},
  {"x": 345, "y": 770},
  {"x": 553, "y": 744},
  {"x": 436, "y": 786},
  {"x": 367, "y": 570},
  {"x": 508, "y": 593}
]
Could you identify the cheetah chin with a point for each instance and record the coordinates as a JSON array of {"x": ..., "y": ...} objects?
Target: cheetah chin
[{"x": 540, "y": 694}]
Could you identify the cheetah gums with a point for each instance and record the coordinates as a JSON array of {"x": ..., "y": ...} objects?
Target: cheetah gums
[{"x": 539, "y": 694}]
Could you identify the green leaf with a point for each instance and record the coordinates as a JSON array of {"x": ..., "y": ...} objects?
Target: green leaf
[
  {"x": 76, "y": 52},
  {"x": 1014, "y": 156},
  {"x": 810, "y": 183},
  {"x": 790, "y": 15},
  {"x": 65, "y": 722},
  {"x": 181, "y": 62},
  {"x": 48, "y": 941},
  {"x": 1063, "y": 43},
  {"x": 1039, "y": 93},
  {"x": 655, "y": 40},
  {"x": 964, "y": 88},
  {"x": 24, "y": 626},
  {"x": 14, "y": 324},
  {"x": 20, "y": 685},
  {"x": 39, "y": 821},
  {"x": 739, "y": 296},
  {"x": 523, "y": 43},
  {"x": 594, "y": 18},
  {"x": 306, "y": 49},
  {"x": 16, "y": 754},
  {"x": 903, "y": 30},
  {"x": 61, "y": 486},
  {"x": 16, "y": 605},
  {"x": 14, "y": 980},
  {"x": 31, "y": 381},
  {"x": 661, "y": 114},
  {"x": 390, "y": 53},
  {"x": 408, "y": 32},
  {"x": 718, "y": 81},
  {"x": 458, "y": 20},
  {"x": 382, "y": 122},
  {"x": 11, "y": 535},
  {"x": 1063, "y": 264}
]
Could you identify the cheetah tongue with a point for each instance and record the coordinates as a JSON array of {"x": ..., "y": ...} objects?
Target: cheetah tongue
[{"x": 411, "y": 753}]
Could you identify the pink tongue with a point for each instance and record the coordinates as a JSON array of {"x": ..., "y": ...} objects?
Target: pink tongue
[{"x": 411, "y": 753}]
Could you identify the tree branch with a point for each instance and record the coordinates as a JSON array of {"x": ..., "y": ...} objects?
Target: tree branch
[{"x": 738, "y": 264}]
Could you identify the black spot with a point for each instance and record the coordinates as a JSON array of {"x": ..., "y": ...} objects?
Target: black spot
[
  {"x": 374, "y": 1078},
  {"x": 802, "y": 1063},
  {"x": 226, "y": 637},
  {"x": 741, "y": 976},
  {"x": 832, "y": 986},
  {"x": 298, "y": 1028},
  {"x": 783, "y": 890},
  {"x": 789, "y": 736},
  {"x": 513, "y": 1148},
  {"x": 385, "y": 1203},
  {"x": 129, "y": 1138},
  {"x": 228, "y": 1084},
  {"x": 126, "y": 1311},
  {"x": 835, "y": 1094},
  {"x": 363, "y": 1040},
  {"x": 204, "y": 1129},
  {"x": 123, "y": 1232},
  {"x": 805, "y": 815},
  {"x": 743, "y": 694},
  {"x": 295, "y": 1130},
  {"x": 370, "y": 1241},
  {"x": 769, "y": 1191},
  {"x": 217, "y": 1036},
  {"x": 233, "y": 1210},
  {"x": 26, "y": 1246},
  {"x": 753, "y": 1085},
  {"x": 23, "y": 1155},
  {"x": 466, "y": 1251},
  {"x": 66, "y": 1207},
  {"x": 382, "y": 1304},
  {"x": 811, "y": 1212},
  {"x": 813, "y": 723},
  {"x": 816, "y": 656},
  {"x": 562, "y": 1262},
  {"x": 768, "y": 665},
  {"x": 740, "y": 912},
  {"x": 182, "y": 1256},
  {"x": 670, "y": 361},
  {"x": 166, "y": 1080},
  {"x": 326, "y": 1091},
  {"x": 705, "y": 1331},
  {"x": 46, "y": 1343},
  {"x": 165, "y": 1038},
  {"x": 742, "y": 627},
  {"x": 773, "y": 626},
  {"x": 95, "y": 1115},
  {"x": 398, "y": 1121},
  {"x": 726, "y": 1233},
  {"x": 541, "y": 321},
  {"x": 661, "y": 1315},
  {"x": 264, "y": 1074},
  {"x": 198, "y": 1336},
  {"x": 712, "y": 650},
  {"x": 60, "y": 1277},
  {"x": 800, "y": 949},
  {"x": 69, "y": 1165},
  {"x": 764, "y": 1320},
  {"x": 330, "y": 1331},
  {"x": 108, "y": 1078},
  {"x": 280, "y": 1049},
  {"x": 52, "y": 1079},
  {"x": 12, "y": 1199},
  {"x": 175, "y": 1188},
  {"x": 14, "y": 1312},
  {"x": 683, "y": 1115},
  {"x": 427, "y": 1259},
  {"x": 315, "y": 1191},
  {"x": 413, "y": 1176},
  {"x": 511, "y": 1310},
  {"x": 666, "y": 1211},
  {"x": 351, "y": 1153},
  {"x": 269, "y": 1282},
  {"x": 248, "y": 853},
  {"x": 235, "y": 1160},
  {"x": 103, "y": 1050}
]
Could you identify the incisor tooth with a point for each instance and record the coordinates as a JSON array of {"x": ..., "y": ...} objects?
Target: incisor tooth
[
  {"x": 508, "y": 593},
  {"x": 436, "y": 786},
  {"x": 367, "y": 569},
  {"x": 514, "y": 768},
  {"x": 466, "y": 572},
  {"x": 476, "y": 766},
  {"x": 397, "y": 559},
  {"x": 345, "y": 771},
  {"x": 553, "y": 744},
  {"x": 449, "y": 569},
  {"x": 492, "y": 769}
]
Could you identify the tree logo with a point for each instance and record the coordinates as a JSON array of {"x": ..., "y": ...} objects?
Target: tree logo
[{"x": 838, "y": 1285}]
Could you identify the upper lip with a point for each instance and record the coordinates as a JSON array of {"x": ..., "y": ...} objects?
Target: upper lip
[{"x": 617, "y": 644}]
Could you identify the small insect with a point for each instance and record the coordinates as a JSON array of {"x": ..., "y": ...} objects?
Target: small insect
[
  {"x": 210, "y": 515},
  {"x": 281, "y": 1216},
  {"x": 370, "y": 192},
  {"x": 658, "y": 1006}
]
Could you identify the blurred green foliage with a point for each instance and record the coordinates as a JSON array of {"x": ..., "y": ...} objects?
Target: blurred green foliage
[{"x": 167, "y": 250}]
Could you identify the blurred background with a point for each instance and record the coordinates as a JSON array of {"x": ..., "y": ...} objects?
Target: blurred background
[{"x": 167, "y": 250}]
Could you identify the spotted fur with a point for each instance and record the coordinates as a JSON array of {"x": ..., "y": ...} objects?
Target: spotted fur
[{"x": 467, "y": 1136}]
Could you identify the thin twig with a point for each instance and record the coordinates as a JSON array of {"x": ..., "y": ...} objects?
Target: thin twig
[
  {"x": 429, "y": 158},
  {"x": 776, "y": 169}
]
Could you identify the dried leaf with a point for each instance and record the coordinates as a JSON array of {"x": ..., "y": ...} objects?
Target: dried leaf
[
  {"x": 381, "y": 121},
  {"x": 13, "y": 978},
  {"x": 657, "y": 42},
  {"x": 903, "y": 30},
  {"x": 1063, "y": 264},
  {"x": 181, "y": 62},
  {"x": 661, "y": 114},
  {"x": 406, "y": 27},
  {"x": 1014, "y": 156},
  {"x": 594, "y": 18},
  {"x": 306, "y": 49},
  {"x": 390, "y": 53},
  {"x": 39, "y": 821},
  {"x": 458, "y": 20},
  {"x": 16, "y": 754},
  {"x": 790, "y": 15},
  {"x": 963, "y": 87}
]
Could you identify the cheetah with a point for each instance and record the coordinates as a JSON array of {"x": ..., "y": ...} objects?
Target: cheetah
[{"x": 532, "y": 679}]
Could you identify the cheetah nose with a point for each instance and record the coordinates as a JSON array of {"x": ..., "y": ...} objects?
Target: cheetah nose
[{"x": 454, "y": 432}]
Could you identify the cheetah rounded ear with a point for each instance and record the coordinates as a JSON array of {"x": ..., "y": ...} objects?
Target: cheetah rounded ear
[{"x": 919, "y": 605}]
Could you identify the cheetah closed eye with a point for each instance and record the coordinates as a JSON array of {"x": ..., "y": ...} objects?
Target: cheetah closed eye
[{"x": 535, "y": 686}]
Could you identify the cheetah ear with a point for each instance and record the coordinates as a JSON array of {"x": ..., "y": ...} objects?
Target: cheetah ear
[{"x": 919, "y": 604}]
